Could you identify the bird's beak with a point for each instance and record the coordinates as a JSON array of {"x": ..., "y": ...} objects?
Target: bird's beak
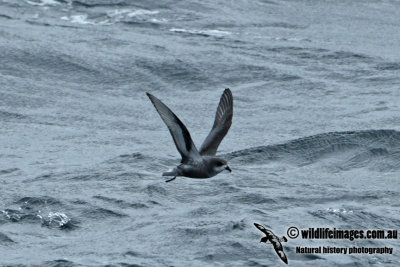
[{"x": 229, "y": 169}]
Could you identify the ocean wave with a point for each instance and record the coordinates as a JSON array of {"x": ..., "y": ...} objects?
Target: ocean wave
[
  {"x": 155, "y": 190},
  {"x": 30, "y": 202},
  {"x": 322, "y": 55},
  {"x": 81, "y": 19},
  {"x": 113, "y": 16},
  {"x": 43, "y": 210},
  {"x": 50, "y": 219},
  {"x": 58, "y": 220},
  {"x": 43, "y": 2},
  {"x": 121, "y": 203},
  {"x": 7, "y": 171},
  {"x": 122, "y": 13},
  {"x": 253, "y": 199},
  {"x": 4, "y": 115},
  {"x": 205, "y": 33},
  {"x": 377, "y": 149},
  {"x": 388, "y": 66},
  {"x": 5, "y": 16},
  {"x": 356, "y": 216},
  {"x": 58, "y": 65},
  {"x": 4, "y": 239},
  {"x": 59, "y": 263},
  {"x": 94, "y": 3},
  {"x": 102, "y": 213},
  {"x": 173, "y": 71},
  {"x": 20, "y": 215}
]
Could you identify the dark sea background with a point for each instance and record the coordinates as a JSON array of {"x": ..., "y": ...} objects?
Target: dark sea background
[{"x": 315, "y": 139}]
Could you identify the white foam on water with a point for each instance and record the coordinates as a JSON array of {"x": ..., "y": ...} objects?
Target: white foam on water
[
  {"x": 79, "y": 19},
  {"x": 121, "y": 13},
  {"x": 58, "y": 217},
  {"x": 113, "y": 16},
  {"x": 43, "y": 3},
  {"x": 140, "y": 12},
  {"x": 216, "y": 33},
  {"x": 338, "y": 210}
]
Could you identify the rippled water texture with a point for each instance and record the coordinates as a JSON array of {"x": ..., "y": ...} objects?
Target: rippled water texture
[{"x": 315, "y": 140}]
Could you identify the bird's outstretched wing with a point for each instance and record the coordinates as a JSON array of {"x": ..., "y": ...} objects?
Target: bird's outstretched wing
[
  {"x": 280, "y": 252},
  {"x": 222, "y": 123},
  {"x": 264, "y": 230},
  {"x": 178, "y": 130}
]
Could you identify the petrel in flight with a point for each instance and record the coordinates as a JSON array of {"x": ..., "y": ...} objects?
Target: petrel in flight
[
  {"x": 275, "y": 241},
  {"x": 198, "y": 163}
]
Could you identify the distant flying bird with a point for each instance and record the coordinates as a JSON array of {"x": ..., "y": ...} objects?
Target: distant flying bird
[
  {"x": 195, "y": 163},
  {"x": 275, "y": 241}
]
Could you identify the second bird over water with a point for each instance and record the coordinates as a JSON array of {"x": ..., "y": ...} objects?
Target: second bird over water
[{"x": 195, "y": 163}]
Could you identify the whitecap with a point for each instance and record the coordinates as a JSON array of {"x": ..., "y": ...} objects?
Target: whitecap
[
  {"x": 112, "y": 17},
  {"x": 140, "y": 12},
  {"x": 154, "y": 20},
  {"x": 43, "y": 3},
  {"x": 340, "y": 210},
  {"x": 121, "y": 13},
  {"x": 79, "y": 19},
  {"x": 215, "y": 33},
  {"x": 57, "y": 218}
]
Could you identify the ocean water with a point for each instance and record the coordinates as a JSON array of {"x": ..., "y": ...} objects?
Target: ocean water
[{"x": 315, "y": 140}]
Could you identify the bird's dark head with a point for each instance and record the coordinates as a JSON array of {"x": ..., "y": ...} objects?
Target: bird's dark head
[
  {"x": 264, "y": 239},
  {"x": 219, "y": 165}
]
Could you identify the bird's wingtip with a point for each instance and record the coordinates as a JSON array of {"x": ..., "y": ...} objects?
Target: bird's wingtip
[{"x": 151, "y": 97}]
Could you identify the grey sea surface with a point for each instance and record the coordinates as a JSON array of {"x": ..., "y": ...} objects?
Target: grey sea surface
[{"x": 315, "y": 140}]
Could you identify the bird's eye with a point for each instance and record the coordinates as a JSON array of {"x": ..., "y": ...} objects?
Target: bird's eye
[{"x": 220, "y": 163}]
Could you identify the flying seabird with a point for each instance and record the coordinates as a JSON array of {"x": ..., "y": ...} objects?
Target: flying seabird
[
  {"x": 198, "y": 163},
  {"x": 275, "y": 241}
]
